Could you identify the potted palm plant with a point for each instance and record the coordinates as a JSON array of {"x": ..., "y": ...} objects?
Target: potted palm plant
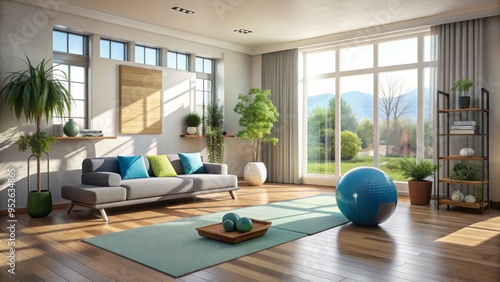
[
  {"x": 258, "y": 115},
  {"x": 462, "y": 86},
  {"x": 193, "y": 120},
  {"x": 36, "y": 93},
  {"x": 419, "y": 188},
  {"x": 214, "y": 121}
]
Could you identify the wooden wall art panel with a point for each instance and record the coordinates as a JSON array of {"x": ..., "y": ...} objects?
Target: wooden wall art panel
[{"x": 140, "y": 100}]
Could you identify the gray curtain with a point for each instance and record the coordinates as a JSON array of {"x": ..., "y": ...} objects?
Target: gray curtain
[
  {"x": 459, "y": 50},
  {"x": 280, "y": 75},
  {"x": 459, "y": 54}
]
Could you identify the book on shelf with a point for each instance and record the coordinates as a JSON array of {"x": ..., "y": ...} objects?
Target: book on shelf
[
  {"x": 90, "y": 131},
  {"x": 464, "y": 131},
  {"x": 467, "y": 127},
  {"x": 464, "y": 122}
]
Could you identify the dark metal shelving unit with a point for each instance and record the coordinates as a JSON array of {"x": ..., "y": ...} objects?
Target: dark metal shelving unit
[{"x": 445, "y": 116}]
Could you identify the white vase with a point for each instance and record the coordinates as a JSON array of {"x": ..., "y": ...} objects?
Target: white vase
[
  {"x": 191, "y": 130},
  {"x": 255, "y": 173},
  {"x": 467, "y": 152}
]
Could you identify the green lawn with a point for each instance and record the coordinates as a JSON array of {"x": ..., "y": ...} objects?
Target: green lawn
[{"x": 387, "y": 164}]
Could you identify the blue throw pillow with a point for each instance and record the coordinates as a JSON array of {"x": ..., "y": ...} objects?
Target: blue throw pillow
[
  {"x": 191, "y": 163},
  {"x": 132, "y": 167}
]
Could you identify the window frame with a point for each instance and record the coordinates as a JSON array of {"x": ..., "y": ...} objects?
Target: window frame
[
  {"x": 177, "y": 54},
  {"x": 78, "y": 60},
  {"x": 421, "y": 65},
  {"x": 206, "y": 76},
  {"x": 145, "y": 48},
  {"x": 111, "y": 41}
]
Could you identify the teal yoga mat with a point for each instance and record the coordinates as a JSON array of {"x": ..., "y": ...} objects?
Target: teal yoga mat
[{"x": 176, "y": 249}]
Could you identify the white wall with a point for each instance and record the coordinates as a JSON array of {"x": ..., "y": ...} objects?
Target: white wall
[
  {"x": 26, "y": 29},
  {"x": 491, "y": 81}
]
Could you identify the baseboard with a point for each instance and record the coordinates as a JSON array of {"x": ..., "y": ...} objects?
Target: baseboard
[{"x": 23, "y": 210}]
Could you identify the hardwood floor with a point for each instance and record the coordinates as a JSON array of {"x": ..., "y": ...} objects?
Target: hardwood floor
[{"x": 418, "y": 243}]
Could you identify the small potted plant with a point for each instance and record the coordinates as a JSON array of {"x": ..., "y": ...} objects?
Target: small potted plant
[
  {"x": 258, "y": 115},
  {"x": 193, "y": 120},
  {"x": 419, "y": 188},
  {"x": 462, "y": 86}
]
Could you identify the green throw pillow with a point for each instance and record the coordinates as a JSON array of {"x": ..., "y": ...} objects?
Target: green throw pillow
[{"x": 161, "y": 166}]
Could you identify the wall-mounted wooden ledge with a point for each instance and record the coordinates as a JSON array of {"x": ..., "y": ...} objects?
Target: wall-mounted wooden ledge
[
  {"x": 202, "y": 136},
  {"x": 85, "y": 138}
]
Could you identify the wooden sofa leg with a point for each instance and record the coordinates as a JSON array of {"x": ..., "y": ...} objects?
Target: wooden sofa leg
[
  {"x": 233, "y": 194},
  {"x": 103, "y": 214},
  {"x": 70, "y": 207}
]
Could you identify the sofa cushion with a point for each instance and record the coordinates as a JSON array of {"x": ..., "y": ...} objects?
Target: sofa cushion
[
  {"x": 101, "y": 178},
  {"x": 156, "y": 186},
  {"x": 161, "y": 166},
  {"x": 192, "y": 163},
  {"x": 203, "y": 182},
  {"x": 132, "y": 167},
  {"x": 92, "y": 195},
  {"x": 108, "y": 164},
  {"x": 176, "y": 163}
]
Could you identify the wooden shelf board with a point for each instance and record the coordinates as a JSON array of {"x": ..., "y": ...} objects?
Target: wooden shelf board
[
  {"x": 458, "y": 157},
  {"x": 462, "y": 110},
  {"x": 454, "y": 181},
  {"x": 85, "y": 138},
  {"x": 203, "y": 136},
  {"x": 461, "y": 134},
  {"x": 462, "y": 204}
]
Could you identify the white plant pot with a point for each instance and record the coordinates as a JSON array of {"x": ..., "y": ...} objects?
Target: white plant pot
[
  {"x": 191, "y": 130},
  {"x": 255, "y": 173}
]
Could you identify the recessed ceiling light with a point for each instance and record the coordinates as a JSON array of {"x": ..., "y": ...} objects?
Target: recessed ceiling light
[
  {"x": 182, "y": 10},
  {"x": 243, "y": 31}
]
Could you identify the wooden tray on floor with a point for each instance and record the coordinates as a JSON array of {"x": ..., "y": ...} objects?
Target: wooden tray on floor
[{"x": 216, "y": 232}]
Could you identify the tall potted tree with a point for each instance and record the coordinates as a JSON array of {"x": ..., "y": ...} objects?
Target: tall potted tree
[
  {"x": 258, "y": 115},
  {"x": 36, "y": 93},
  {"x": 419, "y": 188},
  {"x": 214, "y": 121}
]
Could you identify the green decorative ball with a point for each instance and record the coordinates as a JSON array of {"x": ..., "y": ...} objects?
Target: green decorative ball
[
  {"x": 244, "y": 224},
  {"x": 228, "y": 225},
  {"x": 231, "y": 216}
]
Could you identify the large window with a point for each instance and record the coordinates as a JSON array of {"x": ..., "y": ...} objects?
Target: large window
[
  {"x": 115, "y": 50},
  {"x": 177, "y": 60},
  {"x": 147, "y": 55},
  {"x": 205, "y": 85},
  {"x": 71, "y": 57},
  {"x": 368, "y": 104}
]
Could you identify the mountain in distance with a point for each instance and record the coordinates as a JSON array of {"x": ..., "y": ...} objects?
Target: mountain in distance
[{"x": 362, "y": 103}]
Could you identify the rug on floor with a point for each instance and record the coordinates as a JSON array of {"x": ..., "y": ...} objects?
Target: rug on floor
[{"x": 176, "y": 249}]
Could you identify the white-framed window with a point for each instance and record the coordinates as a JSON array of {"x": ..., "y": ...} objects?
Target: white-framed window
[
  {"x": 111, "y": 49},
  {"x": 70, "y": 52},
  {"x": 204, "y": 65},
  {"x": 177, "y": 60},
  {"x": 205, "y": 83},
  {"x": 372, "y": 96},
  {"x": 147, "y": 55}
]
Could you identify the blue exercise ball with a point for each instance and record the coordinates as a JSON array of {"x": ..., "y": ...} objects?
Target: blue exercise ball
[{"x": 366, "y": 196}]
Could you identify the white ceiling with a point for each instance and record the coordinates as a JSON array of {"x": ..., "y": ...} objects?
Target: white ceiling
[{"x": 276, "y": 22}]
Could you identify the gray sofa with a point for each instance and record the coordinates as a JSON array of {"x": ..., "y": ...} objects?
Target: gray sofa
[{"x": 102, "y": 186}]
